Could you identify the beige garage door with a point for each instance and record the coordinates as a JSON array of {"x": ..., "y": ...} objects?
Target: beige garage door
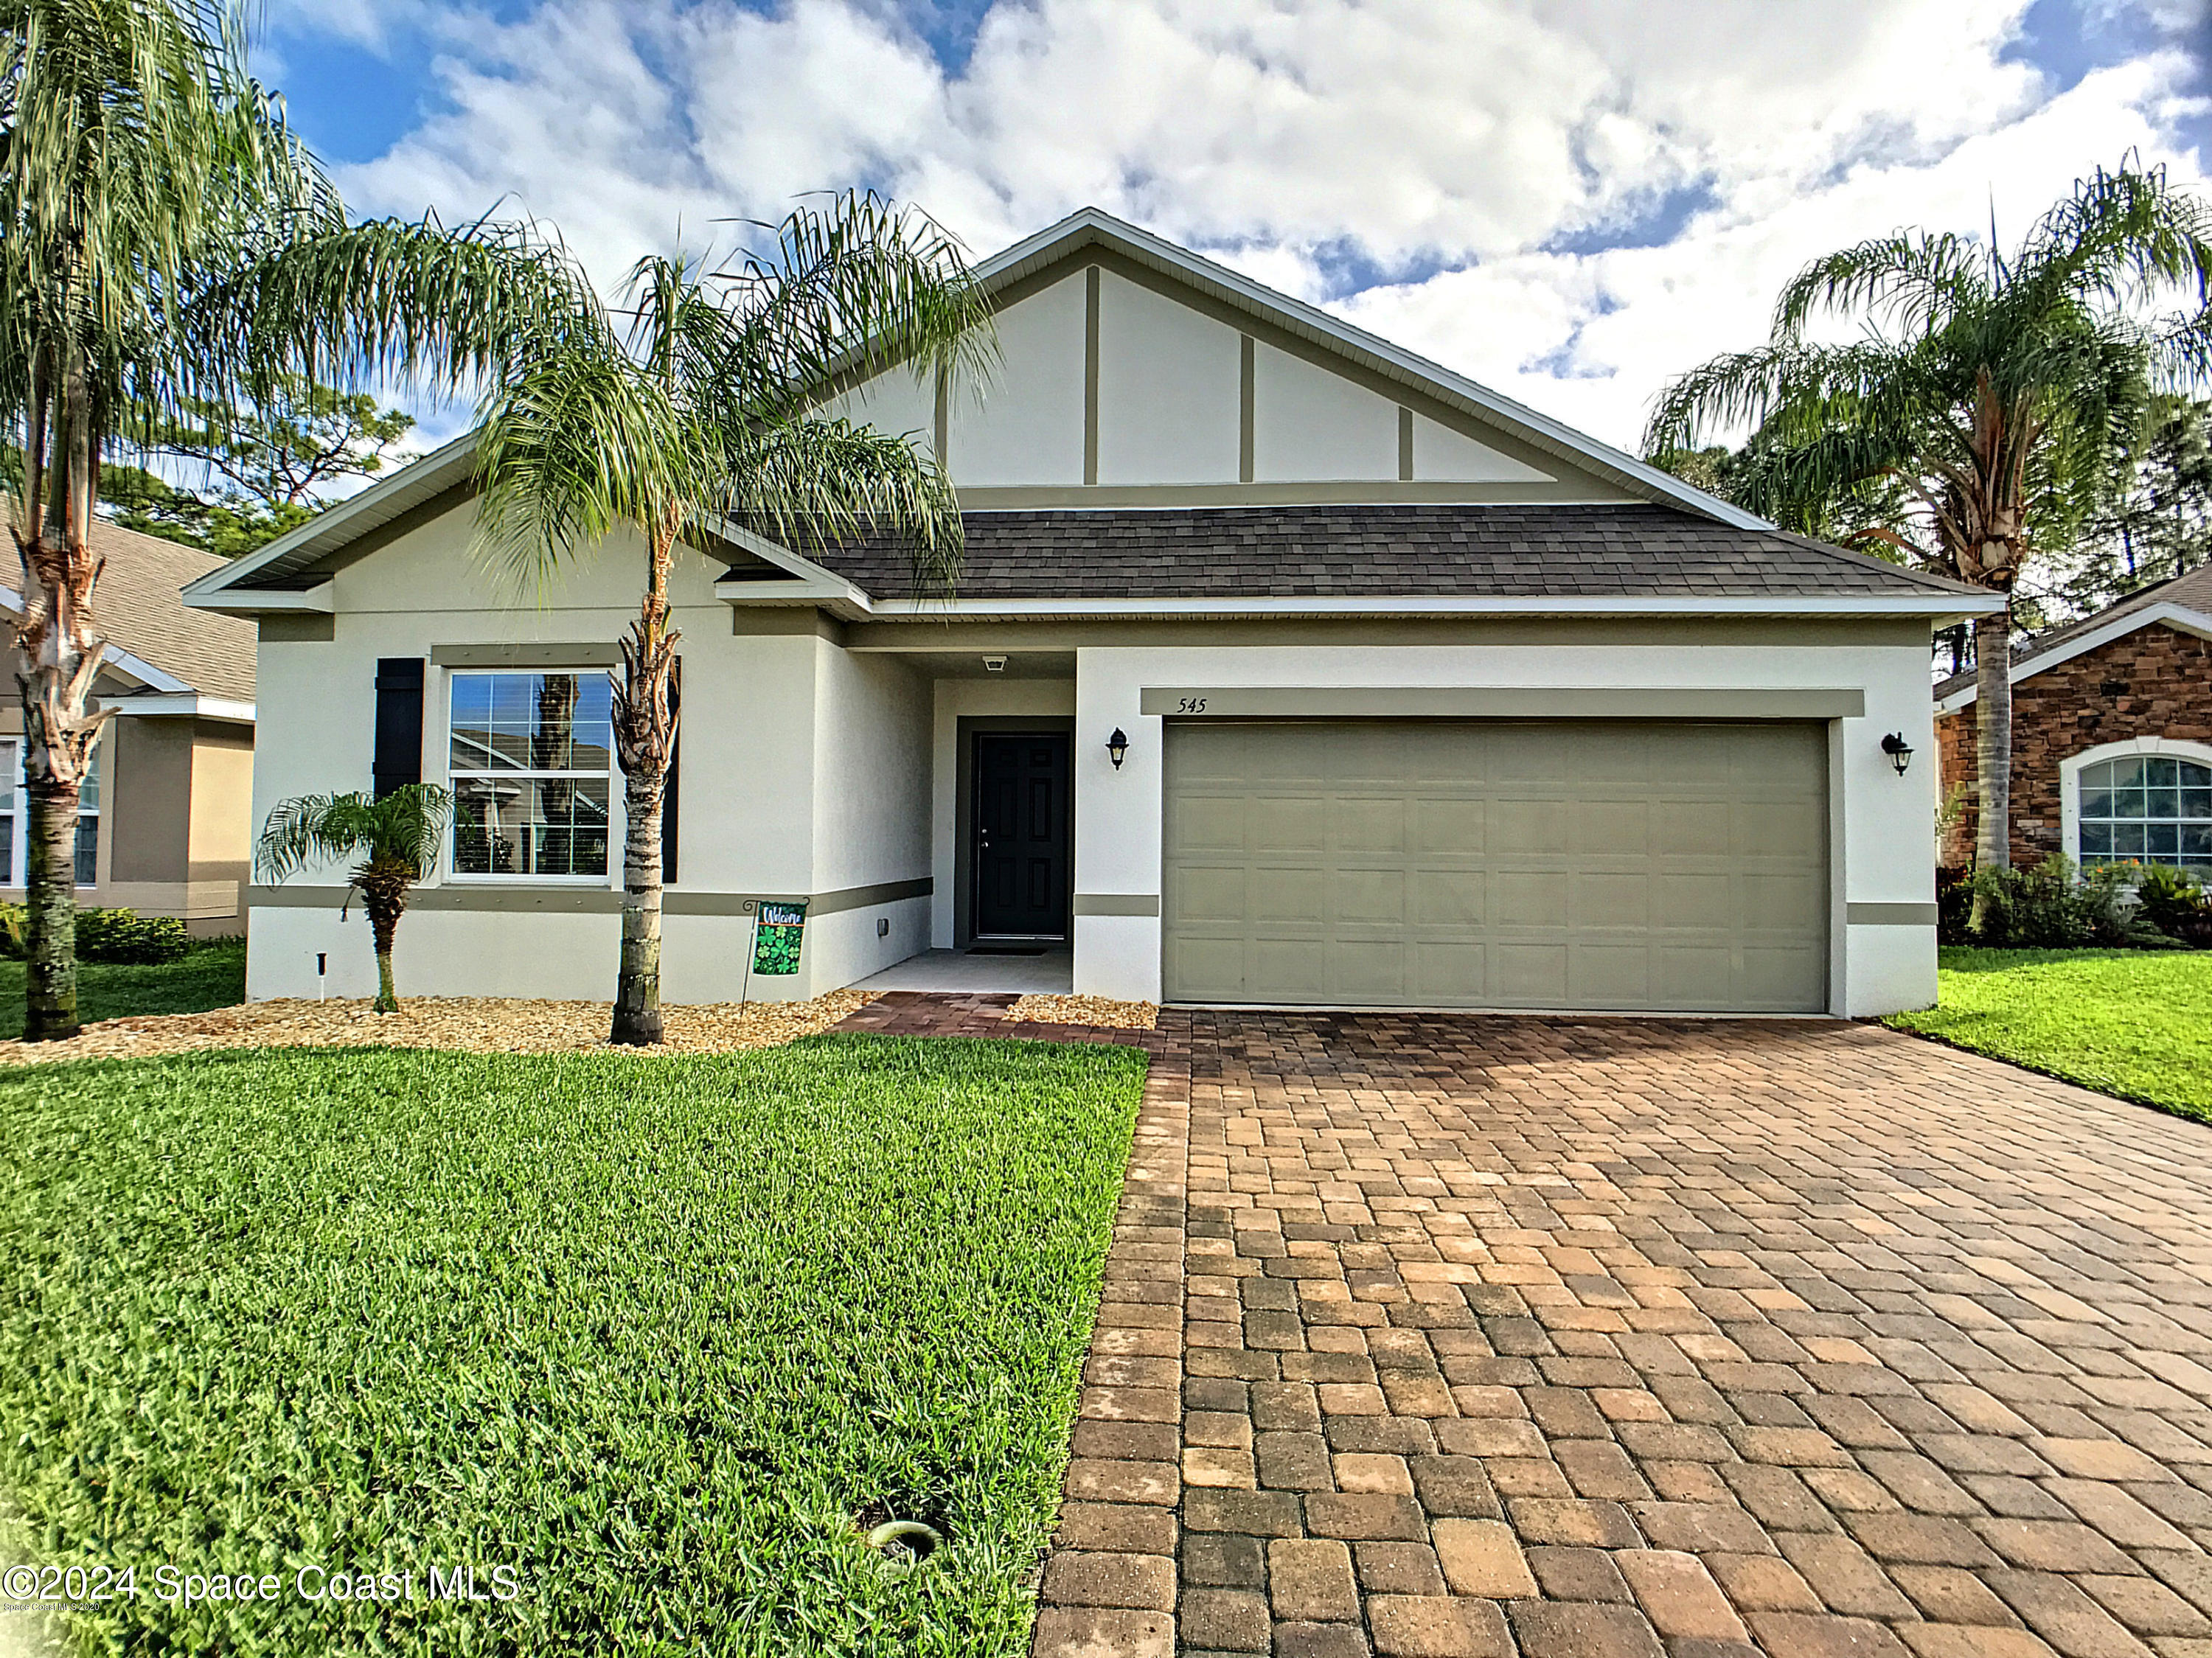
[{"x": 1599, "y": 864}]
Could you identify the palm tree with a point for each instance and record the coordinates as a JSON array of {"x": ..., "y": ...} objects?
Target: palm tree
[
  {"x": 698, "y": 403},
  {"x": 396, "y": 835},
  {"x": 1972, "y": 419},
  {"x": 164, "y": 240}
]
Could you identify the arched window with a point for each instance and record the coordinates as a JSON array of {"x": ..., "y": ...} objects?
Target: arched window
[{"x": 2145, "y": 801}]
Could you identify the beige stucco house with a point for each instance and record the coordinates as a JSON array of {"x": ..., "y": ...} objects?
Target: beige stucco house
[
  {"x": 1287, "y": 669},
  {"x": 165, "y": 827}
]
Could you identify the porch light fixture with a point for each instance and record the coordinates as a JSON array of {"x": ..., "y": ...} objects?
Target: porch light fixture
[
  {"x": 1117, "y": 747},
  {"x": 1899, "y": 750}
]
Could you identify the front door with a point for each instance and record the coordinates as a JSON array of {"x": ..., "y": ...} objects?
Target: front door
[{"x": 1021, "y": 835}]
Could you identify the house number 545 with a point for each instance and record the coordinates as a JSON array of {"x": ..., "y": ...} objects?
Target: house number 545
[{"x": 1193, "y": 705}]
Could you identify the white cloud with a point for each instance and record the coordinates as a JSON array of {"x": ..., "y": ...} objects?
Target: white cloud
[{"x": 1466, "y": 138}]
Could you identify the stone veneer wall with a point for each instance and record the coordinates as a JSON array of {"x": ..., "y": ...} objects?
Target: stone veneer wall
[{"x": 2154, "y": 681}]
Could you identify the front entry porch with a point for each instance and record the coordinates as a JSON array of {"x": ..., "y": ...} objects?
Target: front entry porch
[{"x": 1044, "y": 970}]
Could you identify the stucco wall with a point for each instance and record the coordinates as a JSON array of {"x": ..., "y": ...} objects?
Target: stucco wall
[
  {"x": 2154, "y": 681},
  {"x": 1880, "y": 835}
]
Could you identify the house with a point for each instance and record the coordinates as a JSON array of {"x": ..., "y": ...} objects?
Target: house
[
  {"x": 164, "y": 826},
  {"x": 1287, "y": 669},
  {"x": 2112, "y": 735}
]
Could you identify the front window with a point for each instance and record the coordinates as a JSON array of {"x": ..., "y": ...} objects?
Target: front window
[
  {"x": 2147, "y": 809},
  {"x": 15, "y": 824},
  {"x": 531, "y": 757}
]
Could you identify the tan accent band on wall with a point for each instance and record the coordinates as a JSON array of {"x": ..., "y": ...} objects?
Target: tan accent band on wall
[
  {"x": 1247, "y": 406},
  {"x": 594, "y": 900},
  {"x": 296, "y": 627},
  {"x": 1474, "y": 702},
  {"x": 1117, "y": 903},
  {"x": 536, "y": 654},
  {"x": 1890, "y": 915},
  {"x": 1405, "y": 444}
]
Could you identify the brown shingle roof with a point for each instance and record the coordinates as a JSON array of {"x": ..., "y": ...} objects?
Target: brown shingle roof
[
  {"x": 141, "y": 611},
  {"x": 1627, "y": 550},
  {"x": 2191, "y": 589}
]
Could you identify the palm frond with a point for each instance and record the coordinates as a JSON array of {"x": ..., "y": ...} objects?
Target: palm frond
[
  {"x": 407, "y": 825},
  {"x": 811, "y": 482}
]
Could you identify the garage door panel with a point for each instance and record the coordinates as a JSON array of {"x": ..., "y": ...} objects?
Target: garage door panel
[
  {"x": 1597, "y": 901},
  {"x": 1529, "y": 898},
  {"x": 1449, "y": 897},
  {"x": 1610, "y": 975},
  {"x": 1530, "y": 975},
  {"x": 1289, "y": 823},
  {"x": 1519, "y": 825},
  {"x": 1561, "y": 864},
  {"x": 1448, "y": 828},
  {"x": 1367, "y": 825}
]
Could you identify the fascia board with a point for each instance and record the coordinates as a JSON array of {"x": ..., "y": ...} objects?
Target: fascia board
[
  {"x": 188, "y": 702},
  {"x": 2174, "y": 616},
  {"x": 1934, "y": 606},
  {"x": 256, "y": 601}
]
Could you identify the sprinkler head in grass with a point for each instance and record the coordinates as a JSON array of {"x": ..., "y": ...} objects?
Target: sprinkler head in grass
[{"x": 904, "y": 1544}]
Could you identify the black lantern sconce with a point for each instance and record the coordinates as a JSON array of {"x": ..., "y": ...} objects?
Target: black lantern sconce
[
  {"x": 1117, "y": 747},
  {"x": 1899, "y": 750}
]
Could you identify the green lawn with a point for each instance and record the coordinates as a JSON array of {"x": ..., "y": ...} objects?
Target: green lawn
[
  {"x": 651, "y": 1333},
  {"x": 2133, "y": 1023},
  {"x": 213, "y": 976}
]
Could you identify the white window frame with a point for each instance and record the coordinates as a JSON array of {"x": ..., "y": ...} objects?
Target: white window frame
[
  {"x": 2071, "y": 767},
  {"x": 17, "y": 875},
  {"x": 452, "y": 780}
]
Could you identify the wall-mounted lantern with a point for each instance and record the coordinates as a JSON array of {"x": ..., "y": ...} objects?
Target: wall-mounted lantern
[
  {"x": 1117, "y": 747},
  {"x": 1899, "y": 750}
]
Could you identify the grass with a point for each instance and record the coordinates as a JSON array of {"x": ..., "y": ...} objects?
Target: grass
[
  {"x": 2133, "y": 1023},
  {"x": 212, "y": 975},
  {"x": 650, "y": 1332}
]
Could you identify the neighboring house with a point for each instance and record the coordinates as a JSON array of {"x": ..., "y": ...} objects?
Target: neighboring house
[
  {"x": 2112, "y": 735},
  {"x": 1427, "y": 699},
  {"x": 164, "y": 826}
]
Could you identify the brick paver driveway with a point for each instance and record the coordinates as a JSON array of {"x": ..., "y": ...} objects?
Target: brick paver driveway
[{"x": 1558, "y": 1338}]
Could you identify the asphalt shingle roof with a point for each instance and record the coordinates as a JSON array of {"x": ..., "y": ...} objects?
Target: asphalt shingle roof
[
  {"x": 2191, "y": 589},
  {"x": 140, "y": 609},
  {"x": 1628, "y": 549}
]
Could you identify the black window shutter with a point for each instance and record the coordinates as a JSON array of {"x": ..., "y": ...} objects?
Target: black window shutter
[
  {"x": 668, "y": 793},
  {"x": 399, "y": 759}
]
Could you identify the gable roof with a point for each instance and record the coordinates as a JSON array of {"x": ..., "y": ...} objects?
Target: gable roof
[
  {"x": 1393, "y": 551},
  {"x": 1090, "y": 227},
  {"x": 149, "y": 628},
  {"x": 2183, "y": 601},
  {"x": 1676, "y": 545}
]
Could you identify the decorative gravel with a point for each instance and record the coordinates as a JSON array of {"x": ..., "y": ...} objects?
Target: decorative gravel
[
  {"x": 482, "y": 1025},
  {"x": 1085, "y": 1009}
]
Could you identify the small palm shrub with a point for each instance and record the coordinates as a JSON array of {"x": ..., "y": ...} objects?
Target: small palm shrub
[
  {"x": 395, "y": 837},
  {"x": 2175, "y": 902}
]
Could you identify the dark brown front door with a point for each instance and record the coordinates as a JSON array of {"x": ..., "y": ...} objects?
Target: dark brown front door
[{"x": 1021, "y": 836}]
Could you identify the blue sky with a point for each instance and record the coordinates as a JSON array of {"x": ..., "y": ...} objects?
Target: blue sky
[{"x": 1570, "y": 199}]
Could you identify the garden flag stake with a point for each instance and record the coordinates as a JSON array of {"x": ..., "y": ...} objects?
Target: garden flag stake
[{"x": 778, "y": 930}]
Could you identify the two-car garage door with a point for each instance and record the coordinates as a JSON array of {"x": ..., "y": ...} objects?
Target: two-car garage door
[{"x": 1600, "y": 865}]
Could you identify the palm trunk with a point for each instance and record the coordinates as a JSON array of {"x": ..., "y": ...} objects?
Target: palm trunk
[
  {"x": 1993, "y": 739},
  {"x": 385, "y": 882},
  {"x": 644, "y": 737},
  {"x": 637, "y": 989},
  {"x": 60, "y": 650},
  {"x": 49, "y": 878}
]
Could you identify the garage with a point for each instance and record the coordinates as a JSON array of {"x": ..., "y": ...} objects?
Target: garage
[{"x": 1603, "y": 865}]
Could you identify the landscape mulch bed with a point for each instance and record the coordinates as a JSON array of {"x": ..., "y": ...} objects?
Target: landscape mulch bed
[
  {"x": 1099, "y": 1010},
  {"x": 482, "y": 1025}
]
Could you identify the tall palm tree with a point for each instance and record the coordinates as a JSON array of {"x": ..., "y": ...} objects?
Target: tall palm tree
[
  {"x": 165, "y": 239},
  {"x": 1972, "y": 418},
  {"x": 397, "y": 835},
  {"x": 696, "y": 402}
]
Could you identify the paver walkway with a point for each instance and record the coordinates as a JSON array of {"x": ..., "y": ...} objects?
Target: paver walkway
[{"x": 1561, "y": 1338}]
